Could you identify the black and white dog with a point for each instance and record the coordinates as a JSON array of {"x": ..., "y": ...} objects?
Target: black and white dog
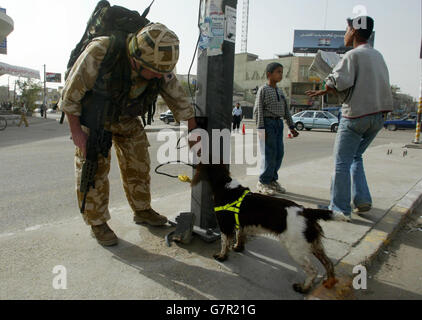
[{"x": 240, "y": 212}]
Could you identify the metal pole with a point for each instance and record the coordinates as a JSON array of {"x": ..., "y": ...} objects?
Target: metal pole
[
  {"x": 214, "y": 100},
  {"x": 419, "y": 117},
  {"x": 44, "y": 96}
]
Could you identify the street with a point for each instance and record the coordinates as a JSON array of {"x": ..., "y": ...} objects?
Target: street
[{"x": 37, "y": 171}]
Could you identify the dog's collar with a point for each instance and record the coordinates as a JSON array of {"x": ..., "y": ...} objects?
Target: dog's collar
[{"x": 234, "y": 207}]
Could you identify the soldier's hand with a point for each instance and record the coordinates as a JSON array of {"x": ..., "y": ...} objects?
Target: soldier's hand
[{"x": 80, "y": 140}]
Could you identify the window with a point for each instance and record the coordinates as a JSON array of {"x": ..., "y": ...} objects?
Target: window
[
  {"x": 320, "y": 115},
  {"x": 298, "y": 115},
  {"x": 330, "y": 115},
  {"x": 308, "y": 114}
]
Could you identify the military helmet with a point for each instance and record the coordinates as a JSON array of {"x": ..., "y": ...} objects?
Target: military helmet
[{"x": 156, "y": 47}]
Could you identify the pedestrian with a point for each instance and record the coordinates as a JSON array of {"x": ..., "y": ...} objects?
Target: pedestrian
[
  {"x": 363, "y": 70},
  {"x": 23, "y": 116},
  {"x": 237, "y": 117},
  {"x": 42, "y": 111},
  {"x": 270, "y": 109},
  {"x": 151, "y": 56}
]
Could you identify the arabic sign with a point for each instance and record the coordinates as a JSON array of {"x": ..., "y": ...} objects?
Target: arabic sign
[
  {"x": 53, "y": 77},
  {"x": 310, "y": 41},
  {"x": 18, "y": 71}
]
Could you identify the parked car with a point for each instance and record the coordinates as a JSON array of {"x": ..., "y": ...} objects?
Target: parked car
[
  {"x": 407, "y": 122},
  {"x": 167, "y": 117},
  {"x": 314, "y": 119},
  {"x": 37, "y": 110}
]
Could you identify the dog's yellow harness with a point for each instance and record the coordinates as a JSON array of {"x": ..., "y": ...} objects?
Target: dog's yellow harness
[{"x": 234, "y": 207}]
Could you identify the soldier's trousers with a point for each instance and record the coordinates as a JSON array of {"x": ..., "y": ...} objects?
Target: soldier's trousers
[{"x": 131, "y": 144}]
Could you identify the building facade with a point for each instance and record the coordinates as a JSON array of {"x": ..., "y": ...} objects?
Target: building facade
[{"x": 250, "y": 74}]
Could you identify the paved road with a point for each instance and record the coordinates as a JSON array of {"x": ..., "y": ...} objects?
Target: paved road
[{"x": 37, "y": 171}]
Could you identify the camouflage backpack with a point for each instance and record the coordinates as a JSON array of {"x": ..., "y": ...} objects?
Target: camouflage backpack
[{"x": 117, "y": 23}]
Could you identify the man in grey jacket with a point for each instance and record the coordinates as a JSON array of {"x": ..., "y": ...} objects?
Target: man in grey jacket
[{"x": 363, "y": 72}]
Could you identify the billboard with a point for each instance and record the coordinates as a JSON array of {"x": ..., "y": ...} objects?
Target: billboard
[
  {"x": 310, "y": 41},
  {"x": 53, "y": 77}
]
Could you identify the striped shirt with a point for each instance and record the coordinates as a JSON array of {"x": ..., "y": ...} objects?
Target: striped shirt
[{"x": 271, "y": 103}]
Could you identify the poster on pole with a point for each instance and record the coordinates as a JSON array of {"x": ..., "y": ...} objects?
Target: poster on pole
[{"x": 53, "y": 77}]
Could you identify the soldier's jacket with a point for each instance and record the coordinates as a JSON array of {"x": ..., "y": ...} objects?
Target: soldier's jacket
[{"x": 84, "y": 74}]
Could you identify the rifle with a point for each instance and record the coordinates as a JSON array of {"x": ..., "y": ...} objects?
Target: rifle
[{"x": 99, "y": 140}]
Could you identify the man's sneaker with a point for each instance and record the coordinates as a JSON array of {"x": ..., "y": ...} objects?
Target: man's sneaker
[
  {"x": 337, "y": 215},
  {"x": 104, "y": 235},
  {"x": 277, "y": 187},
  {"x": 149, "y": 217},
  {"x": 265, "y": 189},
  {"x": 340, "y": 216},
  {"x": 363, "y": 208}
]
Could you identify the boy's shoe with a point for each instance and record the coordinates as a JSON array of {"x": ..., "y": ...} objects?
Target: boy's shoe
[
  {"x": 104, "y": 235},
  {"x": 277, "y": 187},
  {"x": 363, "y": 208},
  {"x": 265, "y": 189},
  {"x": 150, "y": 217}
]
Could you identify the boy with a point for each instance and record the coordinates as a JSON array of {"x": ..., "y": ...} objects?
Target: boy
[{"x": 270, "y": 109}]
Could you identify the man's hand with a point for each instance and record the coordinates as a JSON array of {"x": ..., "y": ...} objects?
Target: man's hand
[{"x": 318, "y": 93}]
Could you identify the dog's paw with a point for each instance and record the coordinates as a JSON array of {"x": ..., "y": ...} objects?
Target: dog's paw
[
  {"x": 239, "y": 248},
  {"x": 220, "y": 258},
  {"x": 330, "y": 283},
  {"x": 299, "y": 288}
]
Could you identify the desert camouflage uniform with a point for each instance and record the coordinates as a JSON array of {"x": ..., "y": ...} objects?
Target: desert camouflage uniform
[{"x": 129, "y": 137}]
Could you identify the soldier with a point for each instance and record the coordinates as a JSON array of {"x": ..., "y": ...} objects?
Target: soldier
[{"x": 151, "y": 54}]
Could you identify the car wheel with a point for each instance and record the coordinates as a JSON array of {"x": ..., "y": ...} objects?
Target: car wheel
[
  {"x": 308, "y": 129},
  {"x": 334, "y": 128},
  {"x": 300, "y": 126},
  {"x": 391, "y": 127}
]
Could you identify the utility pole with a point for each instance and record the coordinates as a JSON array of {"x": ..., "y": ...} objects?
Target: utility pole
[
  {"x": 44, "y": 96},
  {"x": 214, "y": 100},
  {"x": 245, "y": 27},
  {"x": 419, "y": 115}
]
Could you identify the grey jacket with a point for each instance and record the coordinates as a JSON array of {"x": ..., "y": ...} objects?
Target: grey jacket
[{"x": 363, "y": 71}]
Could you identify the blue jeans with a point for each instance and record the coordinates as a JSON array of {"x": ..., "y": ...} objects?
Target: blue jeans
[
  {"x": 349, "y": 181},
  {"x": 274, "y": 150}
]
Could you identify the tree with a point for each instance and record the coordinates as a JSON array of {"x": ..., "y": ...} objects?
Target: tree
[{"x": 30, "y": 91}]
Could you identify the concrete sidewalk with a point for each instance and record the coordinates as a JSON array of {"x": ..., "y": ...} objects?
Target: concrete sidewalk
[{"x": 143, "y": 267}]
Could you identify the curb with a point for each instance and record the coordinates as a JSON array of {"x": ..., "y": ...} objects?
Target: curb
[{"x": 367, "y": 249}]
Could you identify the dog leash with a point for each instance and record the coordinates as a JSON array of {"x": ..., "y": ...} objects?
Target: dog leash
[{"x": 182, "y": 178}]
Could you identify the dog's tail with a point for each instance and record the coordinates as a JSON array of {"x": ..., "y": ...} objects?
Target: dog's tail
[{"x": 320, "y": 214}]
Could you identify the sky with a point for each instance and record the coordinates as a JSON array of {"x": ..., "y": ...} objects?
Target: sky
[{"x": 46, "y": 31}]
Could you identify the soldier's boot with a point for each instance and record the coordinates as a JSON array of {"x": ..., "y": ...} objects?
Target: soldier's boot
[
  {"x": 104, "y": 235},
  {"x": 150, "y": 217}
]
